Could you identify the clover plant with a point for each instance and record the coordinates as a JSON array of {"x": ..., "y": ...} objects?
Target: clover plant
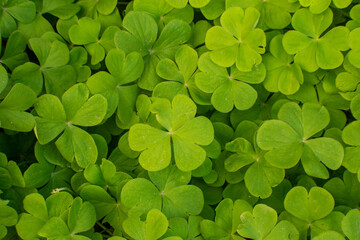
[{"x": 180, "y": 119}]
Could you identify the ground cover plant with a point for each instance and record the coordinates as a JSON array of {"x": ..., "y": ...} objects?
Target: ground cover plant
[{"x": 180, "y": 119}]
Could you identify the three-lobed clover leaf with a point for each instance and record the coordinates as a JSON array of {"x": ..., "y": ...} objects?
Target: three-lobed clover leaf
[
  {"x": 260, "y": 176},
  {"x": 292, "y": 140},
  {"x": 12, "y": 10},
  {"x": 60, "y": 216},
  {"x": 274, "y": 14},
  {"x": 181, "y": 76},
  {"x": 76, "y": 108},
  {"x": 261, "y": 223},
  {"x": 313, "y": 209},
  {"x": 282, "y": 75},
  {"x": 141, "y": 35},
  {"x": 86, "y": 32},
  {"x": 237, "y": 40},
  {"x": 227, "y": 220},
  {"x": 168, "y": 191},
  {"x": 228, "y": 89},
  {"x": 312, "y": 49},
  {"x": 181, "y": 137},
  {"x": 53, "y": 67},
  {"x": 117, "y": 87},
  {"x": 13, "y": 115}
]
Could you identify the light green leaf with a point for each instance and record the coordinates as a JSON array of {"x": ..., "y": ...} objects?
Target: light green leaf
[{"x": 86, "y": 31}]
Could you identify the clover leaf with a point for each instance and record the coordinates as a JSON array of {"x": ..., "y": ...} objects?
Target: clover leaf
[
  {"x": 107, "y": 208},
  {"x": 115, "y": 87},
  {"x": 92, "y": 8},
  {"x": 312, "y": 210},
  {"x": 154, "y": 226},
  {"x": 228, "y": 89},
  {"x": 62, "y": 9},
  {"x": 47, "y": 218},
  {"x": 56, "y": 117},
  {"x": 53, "y": 66},
  {"x": 8, "y": 217},
  {"x": 354, "y": 54},
  {"x": 182, "y": 3},
  {"x": 185, "y": 131},
  {"x": 316, "y": 7},
  {"x": 348, "y": 81},
  {"x": 260, "y": 176},
  {"x": 141, "y": 35},
  {"x": 13, "y": 115},
  {"x": 312, "y": 49},
  {"x": 237, "y": 40},
  {"x": 181, "y": 76},
  {"x": 12, "y": 10},
  {"x": 226, "y": 222},
  {"x": 168, "y": 191},
  {"x": 186, "y": 229},
  {"x": 260, "y": 223},
  {"x": 329, "y": 235},
  {"x": 51, "y": 171},
  {"x": 294, "y": 128},
  {"x": 282, "y": 74},
  {"x": 106, "y": 176},
  {"x": 87, "y": 32},
  {"x": 273, "y": 14},
  {"x": 10, "y": 174},
  {"x": 350, "y": 223},
  {"x": 345, "y": 192},
  {"x": 350, "y": 136},
  {"x": 13, "y": 55},
  {"x": 355, "y": 15},
  {"x": 324, "y": 95},
  {"x": 213, "y": 9}
]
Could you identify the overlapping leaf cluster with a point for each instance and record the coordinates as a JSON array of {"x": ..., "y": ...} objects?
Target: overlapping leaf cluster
[{"x": 180, "y": 119}]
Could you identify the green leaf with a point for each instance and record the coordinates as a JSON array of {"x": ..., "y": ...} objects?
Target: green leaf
[
  {"x": 12, "y": 117},
  {"x": 316, "y": 204},
  {"x": 91, "y": 113},
  {"x": 54, "y": 228},
  {"x": 86, "y": 31},
  {"x": 237, "y": 40},
  {"x": 77, "y": 143},
  {"x": 350, "y": 223},
  {"x": 35, "y": 205},
  {"x": 141, "y": 194},
  {"x": 82, "y": 216},
  {"x": 8, "y": 216},
  {"x": 350, "y": 133},
  {"x": 52, "y": 121}
]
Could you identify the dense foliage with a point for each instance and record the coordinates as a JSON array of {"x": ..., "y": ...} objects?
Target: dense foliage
[{"x": 180, "y": 119}]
